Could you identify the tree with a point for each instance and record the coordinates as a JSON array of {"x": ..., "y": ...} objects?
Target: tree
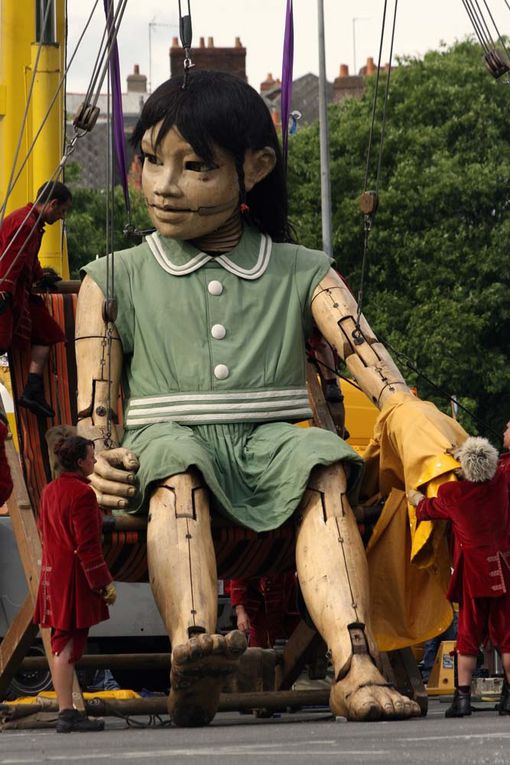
[
  {"x": 437, "y": 289},
  {"x": 86, "y": 224}
]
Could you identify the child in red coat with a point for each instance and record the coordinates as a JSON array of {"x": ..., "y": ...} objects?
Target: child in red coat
[
  {"x": 75, "y": 585},
  {"x": 478, "y": 507}
]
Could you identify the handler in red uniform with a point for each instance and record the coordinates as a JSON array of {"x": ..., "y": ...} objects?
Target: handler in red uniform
[
  {"x": 265, "y": 607},
  {"x": 24, "y": 319},
  {"x": 504, "y": 460},
  {"x": 478, "y": 507},
  {"x": 75, "y": 583},
  {"x": 5, "y": 473}
]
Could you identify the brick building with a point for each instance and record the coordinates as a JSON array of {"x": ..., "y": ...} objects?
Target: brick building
[
  {"x": 91, "y": 150},
  {"x": 231, "y": 60}
]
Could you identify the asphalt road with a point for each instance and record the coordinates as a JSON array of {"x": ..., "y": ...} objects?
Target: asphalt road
[{"x": 296, "y": 739}]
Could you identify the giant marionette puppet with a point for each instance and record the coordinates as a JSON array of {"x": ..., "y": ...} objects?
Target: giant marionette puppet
[{"x": 213, "y": 312}]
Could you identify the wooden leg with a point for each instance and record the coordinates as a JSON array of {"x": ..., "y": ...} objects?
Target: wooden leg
[
  {"x": 182, "y": 572},
  {"x": 332, "y": 573}
]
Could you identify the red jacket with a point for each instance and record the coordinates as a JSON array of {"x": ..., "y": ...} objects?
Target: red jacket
[
  {"x": 5, "y": 473},
  {"x": 73, "y": 568},
  {"x": 504, "y": 465},
  {"x": 19, "y": 267},
  {"x": 480, "y": 515}
]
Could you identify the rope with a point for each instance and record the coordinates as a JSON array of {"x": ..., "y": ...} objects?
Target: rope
[
  {"x": 70, "y": 147},
  {"x": 412, "y": 366},
  {"x": 155, "y": 721},
  {"x": 25, "y": 114},
  {"x": 444, "y": 394},
  {"x": 370, "y": 199},
  {"x": 10, "y": 187},
  {"x": 495, "y": 63}
]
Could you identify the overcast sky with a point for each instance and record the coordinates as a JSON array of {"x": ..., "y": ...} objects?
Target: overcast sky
[{"x": 352, "y": 32}]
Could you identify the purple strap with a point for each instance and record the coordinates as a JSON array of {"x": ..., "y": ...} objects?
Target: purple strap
[
  {"x": 287, "y": 66},
  {"x": 117, "y": 114}
]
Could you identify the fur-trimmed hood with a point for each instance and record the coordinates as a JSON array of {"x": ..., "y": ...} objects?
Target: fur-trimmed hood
[{"x": 478, "y": 459}]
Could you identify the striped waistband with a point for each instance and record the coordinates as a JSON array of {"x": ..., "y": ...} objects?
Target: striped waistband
[{"x": 209, "y": 408}]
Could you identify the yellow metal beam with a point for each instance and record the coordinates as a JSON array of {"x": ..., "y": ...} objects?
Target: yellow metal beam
[
  {"x": 19, "y": 54},
  {"x": 17, "y": 32}
]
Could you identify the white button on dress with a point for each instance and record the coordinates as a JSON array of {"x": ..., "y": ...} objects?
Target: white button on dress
[
  {"x": 221, "y": 371},
  {"x": 218, "y": 331},
  {"x": 215, "y": 287}
]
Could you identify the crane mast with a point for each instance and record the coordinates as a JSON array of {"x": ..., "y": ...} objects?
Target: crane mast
[{"x": 32, "y": 64}]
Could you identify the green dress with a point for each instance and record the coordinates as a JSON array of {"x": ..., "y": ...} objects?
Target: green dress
[{"x": 215, "y": 370}]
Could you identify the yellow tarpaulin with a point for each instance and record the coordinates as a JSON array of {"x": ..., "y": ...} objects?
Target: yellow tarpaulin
[{"x": 409, "y": 568}]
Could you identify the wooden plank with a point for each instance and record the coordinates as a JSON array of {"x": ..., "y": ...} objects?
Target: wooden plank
[
  {"x": 16, "y": 642},
  {"x": 298, "y": 649}
]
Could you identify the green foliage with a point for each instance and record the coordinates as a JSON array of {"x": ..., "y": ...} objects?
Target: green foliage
[
  {"x": 87, "y": 224},
  {"x": 438, "y": 287}
]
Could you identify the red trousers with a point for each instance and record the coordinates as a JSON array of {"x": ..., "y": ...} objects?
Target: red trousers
[
  {"x": 60, "y": 638},
  {"x": 480, "y": 618},
  {"x": 44, "y": 330}
]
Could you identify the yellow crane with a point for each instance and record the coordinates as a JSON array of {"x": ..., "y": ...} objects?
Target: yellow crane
[{"x": 32, "y": 117}]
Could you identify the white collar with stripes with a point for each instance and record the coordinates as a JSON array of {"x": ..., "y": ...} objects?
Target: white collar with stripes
[{"x": 201, "y": 258}]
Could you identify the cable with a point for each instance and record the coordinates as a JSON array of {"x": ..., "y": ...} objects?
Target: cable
[
  {"x": 59, "y": 87},
  {"x": 25, "y": 114},
  {"x": 369, "y": 199},
  {"x": 78, "y": 134},
  {"x": 444, "y": 394},
  {"x": 155, "y": 721}
]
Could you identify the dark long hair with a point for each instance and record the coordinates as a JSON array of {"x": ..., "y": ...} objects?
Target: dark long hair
[
  {"x": 218, "y": 109},
  {"x": 69, "y": 450}
]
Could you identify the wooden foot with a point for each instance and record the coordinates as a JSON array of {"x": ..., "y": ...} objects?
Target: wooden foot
[
  {"x": 363, "y": 695},
  {"x": 199, "y": 668}
]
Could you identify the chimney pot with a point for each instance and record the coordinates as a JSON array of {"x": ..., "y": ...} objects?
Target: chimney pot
[
  {"x": 370, "y": 65},
  {"x": 202, "y": 42},
  {"x": 344, "y": 70},
  {"x": 175, "y": 42},
  {"x": 136, "y": 69},
  {"x": 238, "y": 43},
  {"x": 210, "y": 42}
]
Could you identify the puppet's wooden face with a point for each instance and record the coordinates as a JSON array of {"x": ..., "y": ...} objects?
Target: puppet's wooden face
[{"x": 186, "y": 197}]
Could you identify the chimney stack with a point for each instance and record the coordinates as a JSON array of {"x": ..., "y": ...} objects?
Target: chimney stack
[
  {"x": 136, "y": 82},
  {"x": 222, "y": 59}
]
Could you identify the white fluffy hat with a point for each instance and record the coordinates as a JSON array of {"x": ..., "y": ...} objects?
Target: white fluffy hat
[{"x": 478, "y": 459}]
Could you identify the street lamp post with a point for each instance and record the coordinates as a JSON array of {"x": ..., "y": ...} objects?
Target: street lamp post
[{"x": 327, "y": 237}]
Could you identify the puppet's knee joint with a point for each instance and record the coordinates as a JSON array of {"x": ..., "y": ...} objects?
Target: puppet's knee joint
[
  {"x": 329, "y": 486},
  {"x": 188, "y": 490}
]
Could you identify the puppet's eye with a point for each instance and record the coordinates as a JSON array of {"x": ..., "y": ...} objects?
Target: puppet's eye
[
  {"x": 151, "y": 159},
  {"x": 198, "y": 166}
]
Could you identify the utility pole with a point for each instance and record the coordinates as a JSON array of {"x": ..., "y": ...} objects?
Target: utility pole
[{"x": 327, "y": 237}]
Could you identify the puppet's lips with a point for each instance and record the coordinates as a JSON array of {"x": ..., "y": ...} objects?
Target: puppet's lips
[{"x": 171, "y": 209}]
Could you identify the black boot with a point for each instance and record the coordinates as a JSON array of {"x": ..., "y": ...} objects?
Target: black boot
[
  {"x": 70, "y": 720},
  {"x": 504, "y": 699},
  {"x": 33, "y": 397},
  {"x": 461, "y": 704}
]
